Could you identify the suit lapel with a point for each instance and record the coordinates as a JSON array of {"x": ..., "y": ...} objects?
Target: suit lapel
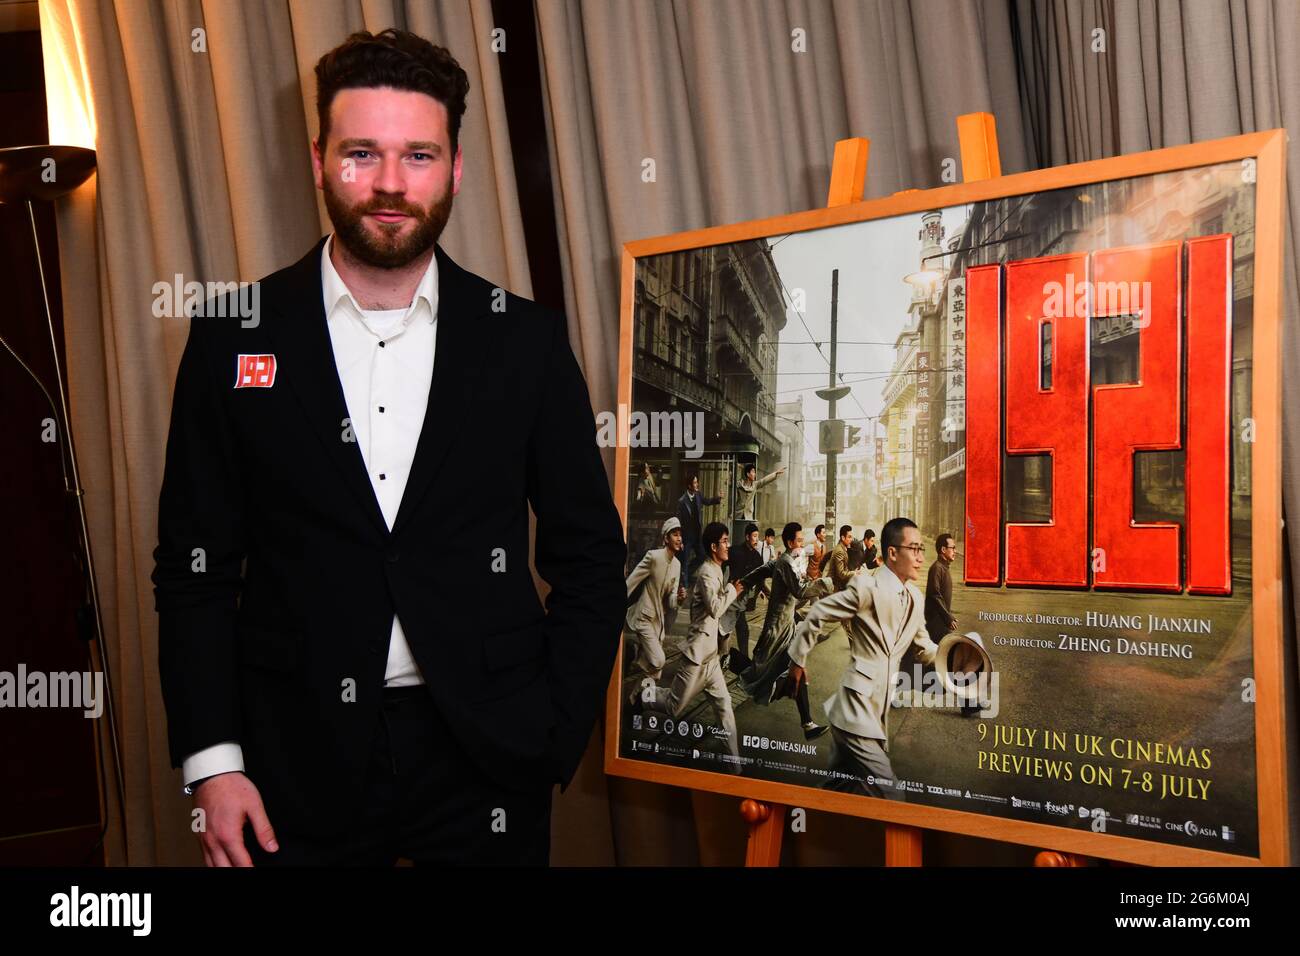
[
  {"x": 887, "y": 612},
  {"x": 878, "y": 618},
  {"x": 905, "y": 621},
  {"x": 305, "y": 360},
  {"x": 457, "y": 358}
]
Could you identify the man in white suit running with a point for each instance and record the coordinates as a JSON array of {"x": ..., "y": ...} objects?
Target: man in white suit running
[
  {"x": 883, "y": 615},
  {"x": 652, "y": 614},
  {"x": 700, "y": 670}
]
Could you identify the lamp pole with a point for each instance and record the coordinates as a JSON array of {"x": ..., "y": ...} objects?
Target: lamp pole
[{"x": 29, "y": 173}]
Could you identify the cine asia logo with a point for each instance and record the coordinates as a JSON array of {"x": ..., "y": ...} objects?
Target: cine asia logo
[{"x": 1028, "y": 392}]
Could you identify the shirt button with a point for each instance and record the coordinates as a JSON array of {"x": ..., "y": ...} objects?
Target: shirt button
[
  {"x": 381, "y": 409},
  {"x": 383, "y": 477},
  {"x": 382, "y": 343}
]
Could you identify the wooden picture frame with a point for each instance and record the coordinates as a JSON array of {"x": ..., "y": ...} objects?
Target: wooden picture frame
[{"x": 1267, "y": 150}]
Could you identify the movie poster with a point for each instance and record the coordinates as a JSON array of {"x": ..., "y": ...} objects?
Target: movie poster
[{"x": 1055, "y": 389}]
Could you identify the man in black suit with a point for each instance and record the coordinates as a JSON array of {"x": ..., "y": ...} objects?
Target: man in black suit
[
  {"x": 690, "y": 511},
  {"x": 743, "y": 559},
  {"x": 333, "y": 661},
  {"x": 870, "y": 556}
]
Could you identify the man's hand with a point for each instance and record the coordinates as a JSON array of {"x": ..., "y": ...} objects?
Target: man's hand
[
  {"x": 226, "y": 800},
  {"x": 681, "y": 594},
  {"x": 740, "y": 586}
]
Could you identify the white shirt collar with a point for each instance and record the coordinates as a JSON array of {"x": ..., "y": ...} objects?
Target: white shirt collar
[
  {"x": 889, "y": 580},
  {"x": 334, "y": 290}
]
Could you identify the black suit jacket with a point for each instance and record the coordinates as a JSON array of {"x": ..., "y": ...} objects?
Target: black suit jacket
[
  {"x": 286, "y": 654},
  {"x": 690, "y": 512},
  {"x": 743, "y": 560}
]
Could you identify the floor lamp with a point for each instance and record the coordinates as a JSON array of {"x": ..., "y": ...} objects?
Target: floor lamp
[{"x": 43, "y": 173}]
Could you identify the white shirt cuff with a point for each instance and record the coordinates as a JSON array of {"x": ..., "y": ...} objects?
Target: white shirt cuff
[{"x": 219, "y": 758}]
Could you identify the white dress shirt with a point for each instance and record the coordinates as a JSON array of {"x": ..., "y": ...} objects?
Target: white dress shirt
[
  {"x": 800, "y": 560},
  {"x": 385, "y": 364},
  {"x": 887, "y": 579}
]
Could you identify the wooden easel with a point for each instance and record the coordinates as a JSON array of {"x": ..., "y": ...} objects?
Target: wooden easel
[{"x": 978, "y": 138}]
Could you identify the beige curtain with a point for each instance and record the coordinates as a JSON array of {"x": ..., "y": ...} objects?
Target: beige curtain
[
  {"x": 204, "y": 171},
  {"x": 1106, "y": 77},
  {"x": 741, "y": 125}
]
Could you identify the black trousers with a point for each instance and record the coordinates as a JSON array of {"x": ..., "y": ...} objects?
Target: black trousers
[
  {"x": 691, "y": 558},
  {"x": 742, "y": 630},
  {"x": 425, "y": 801}
]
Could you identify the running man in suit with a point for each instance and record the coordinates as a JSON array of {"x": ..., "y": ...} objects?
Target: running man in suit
[
  {"x": 838, "y": 570},
  {"x": 818, "y": 558},
  {"x": 870, "y": 554},
  {"x": 883, "y": 614},
  {"x": 700, "y": 670},
  {"x": 765, "y": 679},
  {"x": 743, "y": 559},
  {"x": 651, "y": 615}
]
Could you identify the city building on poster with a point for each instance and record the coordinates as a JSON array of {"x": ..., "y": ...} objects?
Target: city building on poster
[
  {"x": 705, "y": 333},
  {"x": 1058, "y": 392}
]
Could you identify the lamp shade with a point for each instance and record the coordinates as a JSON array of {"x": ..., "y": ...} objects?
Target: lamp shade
[{"x": 25, "y": 174}]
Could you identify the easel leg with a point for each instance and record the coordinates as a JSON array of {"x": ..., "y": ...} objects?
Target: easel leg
[
  {"x": 977, "y": 135},
  {"x": 902, "y": 845},
  {"x": 848, "y": 171},
  {"x": 765, "y": 825}
]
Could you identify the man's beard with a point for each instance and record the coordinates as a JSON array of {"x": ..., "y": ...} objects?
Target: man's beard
[{"x": 390, "y": 249}]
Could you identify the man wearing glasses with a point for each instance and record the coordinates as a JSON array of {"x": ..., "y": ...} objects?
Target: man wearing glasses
[
  {"x": 938, "y": 590},
  {"x": 882, "y": 614}
]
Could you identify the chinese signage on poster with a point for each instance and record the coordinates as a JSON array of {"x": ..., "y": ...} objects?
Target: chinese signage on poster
[{"x": 955, "y": 357}]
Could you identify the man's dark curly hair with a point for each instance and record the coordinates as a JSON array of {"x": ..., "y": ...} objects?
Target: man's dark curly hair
[{"x": 397, "y": 59}]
